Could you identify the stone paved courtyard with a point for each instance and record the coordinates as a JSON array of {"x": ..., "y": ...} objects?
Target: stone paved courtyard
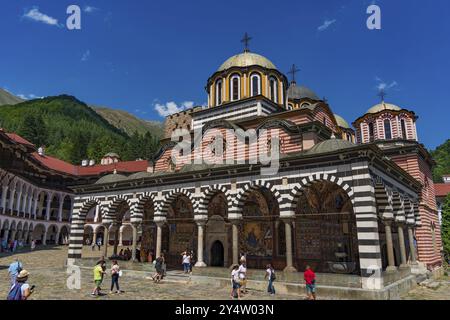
[{"x": 49, "y": 275}]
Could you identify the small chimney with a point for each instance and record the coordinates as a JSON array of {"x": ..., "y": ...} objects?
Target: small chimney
[{"x": 41, "y": 151}]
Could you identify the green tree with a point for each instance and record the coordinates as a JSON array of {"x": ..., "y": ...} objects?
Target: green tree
[
  {"x": 445, "y": 229},
  {"x": 34, "y": 129},
  {"x": 442, "y": 157}
]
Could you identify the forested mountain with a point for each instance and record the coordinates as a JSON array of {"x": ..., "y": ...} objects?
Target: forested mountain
[
  {"x": 442, "y": 157},
  {"x": 129, "y": 123},
  {"x": 72, "y": 131}
]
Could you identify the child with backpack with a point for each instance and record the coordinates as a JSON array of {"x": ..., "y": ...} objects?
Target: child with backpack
[
  {"x": 21, "y": 290},
  {"x": 270, "y": 274}
]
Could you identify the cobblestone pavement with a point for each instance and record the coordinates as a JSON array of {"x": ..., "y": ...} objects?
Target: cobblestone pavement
[
  {"x": 424, "y": 293},
  {"x": 48, "y": 274}
]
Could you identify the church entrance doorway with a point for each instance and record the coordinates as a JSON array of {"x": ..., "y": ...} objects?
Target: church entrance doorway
[{"x": 217, "y": 254}]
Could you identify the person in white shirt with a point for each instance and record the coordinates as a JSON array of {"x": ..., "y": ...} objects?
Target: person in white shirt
[
  {"x": 186, "y": 261},
  {"x": 270, "y": 275},
  {"x": 235, "y": 286},
  {"x": 243, "y": 277}
]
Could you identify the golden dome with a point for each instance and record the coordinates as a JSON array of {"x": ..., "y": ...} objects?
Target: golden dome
[
  {"x": 247, "y": 59},
  {"x": 383, "y": 106},
  {"x": 341, "y": 122}
]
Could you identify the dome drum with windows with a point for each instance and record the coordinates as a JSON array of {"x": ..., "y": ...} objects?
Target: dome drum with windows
[{"x": 243, "y": 76}]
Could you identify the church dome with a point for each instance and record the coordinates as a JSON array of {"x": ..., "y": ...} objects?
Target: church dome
[
  {"x": 341, "y": 122},
  {"x": 111, "y": 178},
  {"x": 330, "y": 145},
  {"x": 300, "y": 92},
  {"x": 247, "y": 59},
  {"x": 383, "y": 106}
]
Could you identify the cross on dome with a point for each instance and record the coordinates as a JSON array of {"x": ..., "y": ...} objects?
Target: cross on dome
[
  {"x": 246, "y": 41},
  {"x": 293, "y": 71}
]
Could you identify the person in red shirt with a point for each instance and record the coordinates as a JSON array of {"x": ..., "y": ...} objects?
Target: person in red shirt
[{"x": 310, "y": 281}]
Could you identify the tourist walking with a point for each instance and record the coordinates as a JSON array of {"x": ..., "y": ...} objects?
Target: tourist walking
[
  {"x": 270, "y": 274},
  {"x": 115, "y": 275},
  {"x": 157, "y": 277},
  {"x": 14, "y": 269},
  {"x": 99, "y": 243},
  {"x": 33, "y": 244},
  {"x": 98, "y": 278},
  {"x": 310, "y": 281},
  {"x": 235, "y": 284},
  {"x": 21, "y": 290},
  {"x": 243, "y": 276},
  {"x": 186, "y": 261}
]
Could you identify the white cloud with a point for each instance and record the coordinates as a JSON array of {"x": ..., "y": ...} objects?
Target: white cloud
[
  {"x": 90, "y": 9},
  {"x": 171, "y": 107},
  {"x": 384, "y": 86},
  {"x": 35, "y": 15},
  {"x": 326, "y": 24},
  {"x": 30, "y": 96},
  {"x": 86, "y": 56}
]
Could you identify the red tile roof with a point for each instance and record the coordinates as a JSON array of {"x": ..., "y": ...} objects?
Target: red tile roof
[
  {"x": 64, "y": 167},
  {"x": 61, "y": 166},
  {"x": 19, "y": 139},
  {"x": 124, "y": 167},
  {"x": 442, "y": 189}
]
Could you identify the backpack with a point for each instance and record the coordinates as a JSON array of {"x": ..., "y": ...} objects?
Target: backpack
[
  {"x": 273, "y": 277},
  {"x": 16, "y": 292},
  {"x": 19, "y": 267}
]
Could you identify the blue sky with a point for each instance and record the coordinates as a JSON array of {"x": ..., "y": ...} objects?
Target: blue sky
[{"x": 137, "y": 55}]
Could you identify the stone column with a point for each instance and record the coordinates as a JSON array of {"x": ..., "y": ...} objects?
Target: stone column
[
  {"x": 11, "y": 200},
  {"x": 19, "y": 202},
  {"x": 44, "y": 241},
  {"x": 94, "y": 238},
  {"x": 200, "y": 242},
  {"x": 29, "y": 235},
  {"x": 106, "y": 240},
  {"x": 6, "y": 235},
  {"x": 390, "y": 247},
  {"x": 121, "y": 238},
  {"x": 13, "y": 235},
  {"x": 401, "y": 240},
  {"x": 289, "y": 259},
  {"x": 30, "y": 206},
  {"x": 57, "y": 238},
  {"x": 60, "y": 210},
  {"x": 4, "y": 193},
  {"x": 35, "y": 208},
  {"x": 134, "y": 245},
  {"x": 48, "y": 209},
  {"x": 159, "y": 226},
  {"x": 24, "y": 205},
  {"x": 236, "y": 241},
  {"x": 116, "y": 239},
  {"x": 412, "y": 248}
]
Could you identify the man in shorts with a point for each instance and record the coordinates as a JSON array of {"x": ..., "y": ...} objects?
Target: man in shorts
[
  {"x": 310, "y": 281},
  {"x": 98, "y": 278},
  {"x": 235, "y": 285}
]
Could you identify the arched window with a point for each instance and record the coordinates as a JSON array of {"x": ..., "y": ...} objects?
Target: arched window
[
  {"x": 371, "y": 132},
  {"x": 387, "y": 129},
  {"x": 235, "y": 88},
  {"x": 403, "y": 126},
  {"x": 273, "y": 89},
  {"x": 218, "y": 92},
  {"x": 349, "y": 137},
  {"x": 255, "y": 85}
]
